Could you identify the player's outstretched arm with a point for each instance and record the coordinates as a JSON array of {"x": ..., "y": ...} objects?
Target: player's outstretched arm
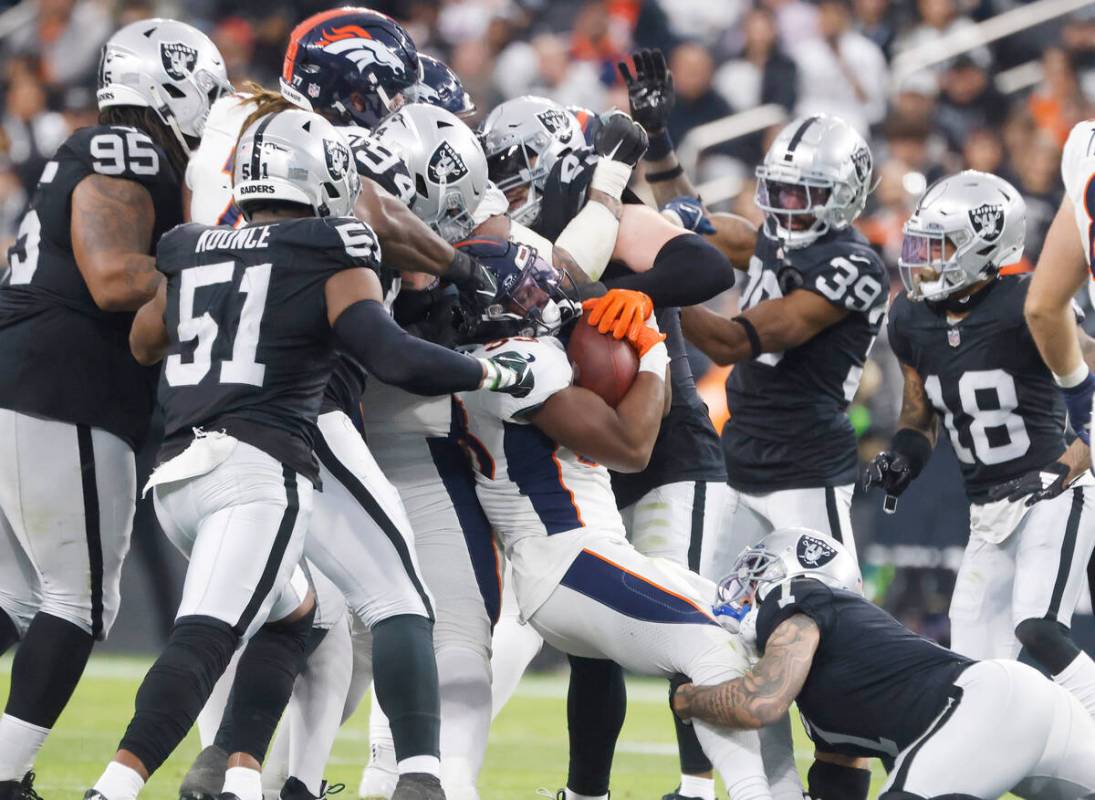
[
  {"x": 764, "y": 693},
  {"x": 621, "y": 438},
  {"x": 148, "y": 335},
  {"x": 111, "y": 229},
  {"x": 367, "y": 332},
  {"x": 769, "y": 327},
  {"x": 736, "y": 238}
]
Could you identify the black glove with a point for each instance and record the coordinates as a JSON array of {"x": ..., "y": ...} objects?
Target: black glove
[
  {"x": 650, "y": 90},
  {"x": 1038, "y": 484},
  {"x": 620, "y": 138},
  {"x": 510, "y": 373},
  {"x": 476, "y": 283},
  {"x": 889, "y": 470}
]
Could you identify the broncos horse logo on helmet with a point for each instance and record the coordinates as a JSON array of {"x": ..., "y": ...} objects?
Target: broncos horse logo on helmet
[
  {"x": 350, "y": 64},
  {"x": 533, "y": 297}
]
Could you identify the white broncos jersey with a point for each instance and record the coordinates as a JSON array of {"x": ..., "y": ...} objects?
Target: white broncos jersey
[
  {"x": 209, "y": 172},
  {"x": 545, "y": 502},
  {"x": 1077, "y": 172}
]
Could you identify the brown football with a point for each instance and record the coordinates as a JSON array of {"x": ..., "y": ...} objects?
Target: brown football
[{"x": 604, "y": 365}]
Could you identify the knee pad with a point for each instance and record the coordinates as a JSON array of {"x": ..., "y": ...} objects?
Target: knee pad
[
  {"x": 1048, "y": 642},
  {"x": 177, "y": 686},
  {"x": 826, "y": 779}
]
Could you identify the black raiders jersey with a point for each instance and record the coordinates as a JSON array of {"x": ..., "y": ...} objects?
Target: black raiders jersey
[
  {"x": 251, "y": 349},
  {"x": 788, "y": 426},
  {"x": 985, "y": 378},
  {"x": 687, "y": 447},
  {"x": 565, "y": 191},
  {"x": 61, "y": 356},
  {"x": 874, "y": 686}
]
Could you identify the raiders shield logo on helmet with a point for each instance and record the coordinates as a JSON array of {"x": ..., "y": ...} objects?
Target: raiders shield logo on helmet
[
  {"x": 178, "y": 59},
  {"x": 555, "y": 122},
  {"x": 338, "y": 157},
  {"x": 813, "y": 552},
  {"x": 446, "y": 165},
  {"x": 988, "y": 221},
  {"x": 861, "y": 160}
]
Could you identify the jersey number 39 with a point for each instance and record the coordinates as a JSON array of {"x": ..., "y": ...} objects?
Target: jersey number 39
[{"x": 241, "y": 367}]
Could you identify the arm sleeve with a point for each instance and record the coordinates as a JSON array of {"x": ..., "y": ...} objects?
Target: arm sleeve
[
  {"x": 688, "y": 270},
  {"x": 393, "y": 356}
]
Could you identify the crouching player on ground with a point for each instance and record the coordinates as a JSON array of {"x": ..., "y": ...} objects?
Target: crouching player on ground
[
  {"x": 944, "y": 726},
  {"x": 542, "y": 465}
]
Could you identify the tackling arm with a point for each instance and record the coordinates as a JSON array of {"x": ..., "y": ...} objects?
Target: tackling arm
[
  {"x": 148, "y": 336},
  {"x": 778, "y": 324},
  {"x": 111, "y": 229},
  {"x": 764, "y": 693},
  {"x": 735, "y": 236}
]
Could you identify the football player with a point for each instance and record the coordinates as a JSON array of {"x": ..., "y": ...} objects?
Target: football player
[
  {"x": 667, "y": 506},
  {"x": 440, "y": 86},
  {"x": 810, "y": 313},
  {"x": 542, "y": 477},
  {"x": 74, "y": 405},
  {"x": 968, "y": 357},
  {"x": 234, "y": 486},
  {"x": 867, "y": 687}
]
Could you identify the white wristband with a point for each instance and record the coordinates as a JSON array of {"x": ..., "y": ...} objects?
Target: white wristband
[
  {"x": 655, "y": 360},
  {"x": 590, "y": 238},
  {"x": 1074, "y": 378},
  {"x": 610, "y": 177}
]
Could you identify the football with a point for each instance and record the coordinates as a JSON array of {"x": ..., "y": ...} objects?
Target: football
[{"x": 605, "y": 366}]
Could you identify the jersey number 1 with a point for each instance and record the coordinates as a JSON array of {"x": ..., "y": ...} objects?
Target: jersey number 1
[{"x": 242, "y": 367}]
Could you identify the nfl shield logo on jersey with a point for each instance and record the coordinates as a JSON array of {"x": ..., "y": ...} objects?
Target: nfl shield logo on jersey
[
  {"x": 988, "y": 221},
  {"x": 954, "y": 337},
  {"x": 446, "y": 165},
  {"x": 178, "y": 59},
  {"x": 338, "y": 157},
  {"x": 813, "y": 552}
]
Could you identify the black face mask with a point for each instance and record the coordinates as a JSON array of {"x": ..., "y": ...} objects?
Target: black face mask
[{"x": 960, "y": 305}]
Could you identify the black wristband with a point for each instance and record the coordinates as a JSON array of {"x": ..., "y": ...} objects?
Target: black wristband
[
  {"x": 751, "y": 332},
  {"x": 828, "y": 780},
  {"x": 461, "y": 269},
  {"x": 659, "y": 147},
  {"x": 914, "y": 446},
  {"x": 664, "y": 175}
]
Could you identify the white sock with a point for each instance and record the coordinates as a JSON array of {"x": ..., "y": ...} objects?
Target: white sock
[
  {"x": 119, "y": 782},
  {"x": 695, "y": 786},
  {"x": 515, "y": 645},
  {"x": 315, "y": 709},
  {"x": 243, "y": 782},
  {"x": 430, "y": 765},
  {"x": 19, "y": 744},
  {"x": 575, "y": 796},
  {"x": 1079, "y": 678}
]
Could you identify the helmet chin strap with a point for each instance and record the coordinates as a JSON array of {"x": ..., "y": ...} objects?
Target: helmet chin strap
[{"x": 163, "y": 110}]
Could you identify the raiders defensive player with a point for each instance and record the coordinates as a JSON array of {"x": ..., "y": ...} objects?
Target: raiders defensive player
[
  {"x": 967, "y": 356},
  {"x": 285, "y": 289},
  {"x": 541, "y": 474},
  {"x": 810, "y": 312},
  {"x": 74, "y": 405},
  {"x": 944, "y": 726}
]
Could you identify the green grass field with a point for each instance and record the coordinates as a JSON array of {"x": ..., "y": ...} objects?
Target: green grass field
[{"x": 528, "y": 748}]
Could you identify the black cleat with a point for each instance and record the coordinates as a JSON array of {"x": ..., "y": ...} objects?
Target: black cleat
[
  {"x": 19, "y": 790},
  {"x": 228, "y": 796},
  {"x": 205, "y": 778},
  {"x": 94, "y": 794},
  {"x": 418, "y": 786},
  {"x": 676, "y": 795},
  {"x": 295, "y": 789}
]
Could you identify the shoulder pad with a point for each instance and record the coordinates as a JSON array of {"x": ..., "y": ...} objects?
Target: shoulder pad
[
  {"x": 176, "y": 247},
  {"x": 845, "y": 271},
  {"x": 117, "y": 151},
  {"x": 346, "y": 241}
]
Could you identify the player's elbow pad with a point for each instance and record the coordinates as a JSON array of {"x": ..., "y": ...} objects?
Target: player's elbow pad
[
  {"x": 391, "y": 355},
  {"x": 590, "y": 238},
  {"x": 687, "y": 271}
]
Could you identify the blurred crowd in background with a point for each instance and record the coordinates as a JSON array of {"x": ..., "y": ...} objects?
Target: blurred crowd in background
[{"x": 1004, "y": 107}]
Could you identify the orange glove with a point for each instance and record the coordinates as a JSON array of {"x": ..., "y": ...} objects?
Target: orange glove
[
  {"x": 621, "y": 311},
  {"x": 646, "y": 338}
]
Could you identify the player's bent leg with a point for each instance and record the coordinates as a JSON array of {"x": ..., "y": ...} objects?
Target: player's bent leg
[
  {"x": 826, "y": 509},
  {"x": 980, "y": 610},
  {"x": 72, "y": 521},
  {"x": 596, "y": 707},
  {"x": 514, "y": 645},
  {"x": 742, "y": 525},
  {"x": 1055, "y": 545},
  {"x": 992, "y": 734}
]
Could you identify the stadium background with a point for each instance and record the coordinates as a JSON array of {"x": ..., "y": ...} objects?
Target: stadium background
[{"x": 939, "y": 86}]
